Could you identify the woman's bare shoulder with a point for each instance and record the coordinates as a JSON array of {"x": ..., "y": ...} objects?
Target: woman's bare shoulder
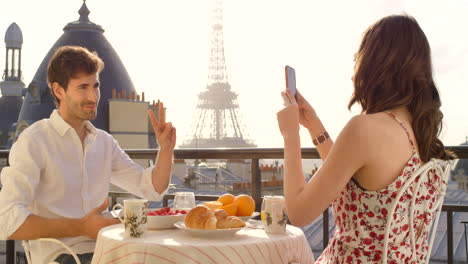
[
  {"x": 367, "y": 128},
  {"x": 370, "y": 118},
  {"x": 364, "y": 121}
]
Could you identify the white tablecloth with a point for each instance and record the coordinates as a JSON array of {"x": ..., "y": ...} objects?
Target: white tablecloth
[{"x": 249, "y": 245}]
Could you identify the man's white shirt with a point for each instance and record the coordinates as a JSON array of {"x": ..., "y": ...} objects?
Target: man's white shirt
[{"x": 53, "y": 175}]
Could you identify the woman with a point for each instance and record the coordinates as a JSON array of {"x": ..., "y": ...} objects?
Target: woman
[{"x": 375, "y": 153}]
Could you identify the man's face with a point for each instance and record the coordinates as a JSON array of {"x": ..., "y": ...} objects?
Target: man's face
[{"x": 80, "y": 100}]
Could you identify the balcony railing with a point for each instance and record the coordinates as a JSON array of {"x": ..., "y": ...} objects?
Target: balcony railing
[{"x": 255, "y": 155}]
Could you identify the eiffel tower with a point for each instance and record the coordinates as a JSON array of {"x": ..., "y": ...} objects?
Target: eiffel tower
[{"x": 217, "y": 120}]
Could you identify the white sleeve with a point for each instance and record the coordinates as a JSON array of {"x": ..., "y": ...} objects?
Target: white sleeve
[
  {"x": 19, "y": 181},
  {"x": 130, "y": 176}
]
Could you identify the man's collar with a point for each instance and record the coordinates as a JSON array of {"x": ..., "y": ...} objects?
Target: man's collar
[
  {"x": 91, "y": 129},
  {"x": 61, "y": 126}
]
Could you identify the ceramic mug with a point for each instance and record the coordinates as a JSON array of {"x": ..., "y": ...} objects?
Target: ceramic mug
[
  {"x": 134, "y": 216},
  {"x": 273, "y": 215}
]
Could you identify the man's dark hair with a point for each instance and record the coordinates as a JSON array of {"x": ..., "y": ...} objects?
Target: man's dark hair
[{"x": 67, "y": 62}]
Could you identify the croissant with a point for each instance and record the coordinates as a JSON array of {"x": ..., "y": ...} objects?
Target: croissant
[
  {"x": 200, "y": 217},
  {"x": 220, "y": 214},
  {"x": 230, "y": 222}
]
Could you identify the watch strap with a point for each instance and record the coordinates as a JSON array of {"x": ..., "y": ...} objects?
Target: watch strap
[{"x": 321, "y": 138}]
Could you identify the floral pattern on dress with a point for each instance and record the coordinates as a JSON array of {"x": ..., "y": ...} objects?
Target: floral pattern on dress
[{"x": 361, "y": 217}]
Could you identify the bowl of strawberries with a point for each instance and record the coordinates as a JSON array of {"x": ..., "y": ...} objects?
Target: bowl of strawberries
[{"x": 164, "y": 218}]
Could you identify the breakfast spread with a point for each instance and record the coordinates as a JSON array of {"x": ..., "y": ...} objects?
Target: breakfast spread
[
  {"x": 221, "y": 214},
  {"x": 202, "y": 217}
]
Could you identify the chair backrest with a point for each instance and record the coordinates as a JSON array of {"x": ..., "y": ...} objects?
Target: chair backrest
[
  {"x": 53, "y": 240},
  {"x": 423, "y": 172}
]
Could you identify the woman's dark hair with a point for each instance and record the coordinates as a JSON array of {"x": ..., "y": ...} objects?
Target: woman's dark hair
[{"x": 394, "y": 69}]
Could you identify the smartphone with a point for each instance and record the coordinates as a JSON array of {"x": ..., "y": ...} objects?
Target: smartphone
[
  {"x": 290, "y": 79},
  {"x": 113, "y": 214}
]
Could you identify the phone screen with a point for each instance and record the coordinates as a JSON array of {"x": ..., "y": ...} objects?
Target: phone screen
[{"x": 290, "y": 79}]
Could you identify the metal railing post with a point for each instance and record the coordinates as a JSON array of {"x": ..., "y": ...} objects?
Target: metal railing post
[
  {"x": 10, "y": 244},
  {"x": 256, "y": 183},
  {"x": 450, "y": 209},
  {"x": 466, "y": 240},
  {"x": 449, "y": 237},
  {"x": 10, "y": 252},
  {"x": 325, "y": 226}
]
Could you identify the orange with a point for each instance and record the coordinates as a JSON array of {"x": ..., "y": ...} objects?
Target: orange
[
  {"x": 226, "y": 198},
  {"x": 231, "y": 209},
  {"x": 245, "y": 205},
  {"x": 213, "y": 205}
]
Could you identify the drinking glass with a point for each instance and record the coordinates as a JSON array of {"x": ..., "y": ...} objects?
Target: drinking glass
[{"x": 184, "y": 200}]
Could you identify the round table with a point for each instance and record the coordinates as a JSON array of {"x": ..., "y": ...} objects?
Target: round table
[{"x": 249, "y": 245}]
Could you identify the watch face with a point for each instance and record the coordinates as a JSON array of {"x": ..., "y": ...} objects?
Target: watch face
[{"x": 321, "y": 139}]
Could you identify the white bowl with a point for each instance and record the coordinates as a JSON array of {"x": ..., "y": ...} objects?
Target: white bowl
[
  {"x": 164, "y": 221},
  {"x": 247, "y": 218}
]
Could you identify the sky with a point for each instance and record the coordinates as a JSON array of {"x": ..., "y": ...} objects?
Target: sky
[{"x": 165, "y": 47}]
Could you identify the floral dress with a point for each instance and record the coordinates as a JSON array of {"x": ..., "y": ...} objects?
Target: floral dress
[{"x": 361, "y": 218}]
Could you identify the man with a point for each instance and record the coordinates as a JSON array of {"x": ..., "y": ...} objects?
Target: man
[{"x": 57, "y": 183}]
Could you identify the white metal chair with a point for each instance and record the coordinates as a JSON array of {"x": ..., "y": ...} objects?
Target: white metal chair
[
  {"x": 53, "y": 240},
  {"x": 423, "y": 171}
]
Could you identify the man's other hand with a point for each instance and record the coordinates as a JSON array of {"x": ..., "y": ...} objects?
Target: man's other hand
[{"x": 94, "y": 221}]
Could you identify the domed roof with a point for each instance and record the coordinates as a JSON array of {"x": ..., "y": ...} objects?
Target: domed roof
[
  {"x": 462, "y": 164},
  {"x": 9, "y": 109},
  {"x": 39, "y": 103},
  {"x": 13, "y": 36}
]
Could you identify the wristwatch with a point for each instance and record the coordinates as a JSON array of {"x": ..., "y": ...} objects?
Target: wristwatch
[{"x": 321, "y": 138}]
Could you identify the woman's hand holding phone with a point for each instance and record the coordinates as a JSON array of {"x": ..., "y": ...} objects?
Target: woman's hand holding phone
[
  {"x": 288, "y": 117},
  {"x": 298, "y": 111},
  {"x": 307, "y": 114}
]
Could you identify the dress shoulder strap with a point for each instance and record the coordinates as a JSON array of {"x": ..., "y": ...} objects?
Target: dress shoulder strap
[{"x": 404, "y": 127}]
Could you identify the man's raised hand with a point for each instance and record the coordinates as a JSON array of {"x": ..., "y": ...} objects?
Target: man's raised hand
[{"x": 165, "y": 132}]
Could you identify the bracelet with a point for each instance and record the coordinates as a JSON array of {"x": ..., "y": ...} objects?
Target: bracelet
[{"x": 321, "y": 138}]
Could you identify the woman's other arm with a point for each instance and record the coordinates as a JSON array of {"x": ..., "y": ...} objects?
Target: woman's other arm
[{"x": 308, "y": 118}]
